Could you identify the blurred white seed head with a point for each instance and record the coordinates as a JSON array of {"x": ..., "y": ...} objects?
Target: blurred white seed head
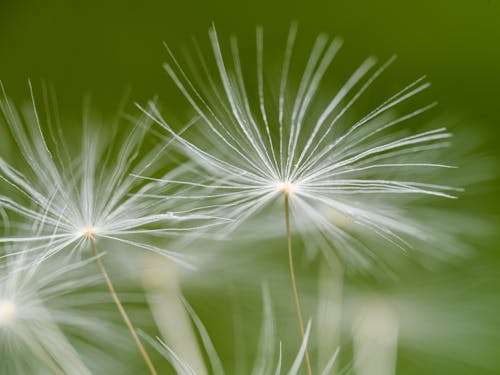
[
  {"x": 375, "y": 330},
  {"x": 7, "y": 312},
  {"x": 31, "y": 315}
]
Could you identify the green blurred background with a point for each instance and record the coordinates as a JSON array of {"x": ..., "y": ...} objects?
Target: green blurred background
[{"x": 104, "y": 48}]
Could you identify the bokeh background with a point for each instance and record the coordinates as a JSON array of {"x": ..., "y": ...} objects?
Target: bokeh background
[{"x": 106, "y": 48}]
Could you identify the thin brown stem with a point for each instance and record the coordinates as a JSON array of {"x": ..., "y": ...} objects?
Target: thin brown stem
[
  {"x": 122, "y": 311},
  {"x": 294, "y": 284}
]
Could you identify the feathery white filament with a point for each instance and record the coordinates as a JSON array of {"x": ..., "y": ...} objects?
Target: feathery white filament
[
  {"x": 306, "y": 143},
  {"x": 72, "y": 198}
]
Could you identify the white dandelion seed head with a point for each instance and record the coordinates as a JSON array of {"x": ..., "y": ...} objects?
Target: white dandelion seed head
[
  {"x": 76, "y": 194},
  {"x": 351, "y": 174},
  {"x": 8, "y": 312}
]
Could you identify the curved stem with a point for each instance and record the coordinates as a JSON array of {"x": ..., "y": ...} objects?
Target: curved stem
[
  {"x": 122, "y": 311},
  {"x": 294, "y": 284}
]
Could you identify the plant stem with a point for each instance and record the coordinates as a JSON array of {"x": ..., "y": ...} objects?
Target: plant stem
[
  {"x": 294, "y": 285},
  {"x": 122, "y": 311}
]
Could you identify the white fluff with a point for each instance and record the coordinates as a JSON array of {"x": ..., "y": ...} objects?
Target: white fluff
[{"x": 296, "y": 138}]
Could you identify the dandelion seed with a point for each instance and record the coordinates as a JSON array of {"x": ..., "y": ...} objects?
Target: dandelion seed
[
  {"x": 75, "y": 201},
  {"x": 297, "y": 141},
  {"x": 300, "y": 143}
]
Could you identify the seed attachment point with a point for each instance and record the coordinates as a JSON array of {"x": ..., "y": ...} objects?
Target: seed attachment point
[
  {"x": 286, "y": 188},
  {"x": 89, "y": 233}
]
